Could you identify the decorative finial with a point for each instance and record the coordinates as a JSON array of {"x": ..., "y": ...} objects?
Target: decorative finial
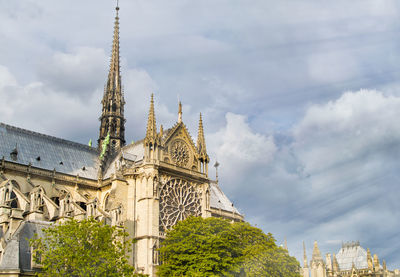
[
  {"x": 117, "y": 8},
  {"x": 216, "y": 170},
  {"x": 151, "y": 132},
  {"x": 180, "y": 112}
]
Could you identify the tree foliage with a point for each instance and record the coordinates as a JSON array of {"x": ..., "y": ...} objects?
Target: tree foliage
[
  {"x": 217, "y": 247},
  {"x": 82, "y": 248}
]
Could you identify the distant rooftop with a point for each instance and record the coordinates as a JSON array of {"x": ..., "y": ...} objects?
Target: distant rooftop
[{"x": 350, "y": 253}]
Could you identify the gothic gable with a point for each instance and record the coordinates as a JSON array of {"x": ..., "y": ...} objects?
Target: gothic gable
[{"x": 179, "y": 147}]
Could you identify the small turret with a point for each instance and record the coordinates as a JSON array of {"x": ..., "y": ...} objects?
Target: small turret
[
  {"x": 316, "y": 255},
  {"x": 328, "y": 261},
  {"x": 369, "y": 260},
  {"x": 152, "y": 140},
  {"x": 151, "y": 130},
  {"x": 201, "y": 148},
  {"x": 336, "y": 268},
  {"x": 376, "y": 263},
  {"x": 317, "y": 263}
]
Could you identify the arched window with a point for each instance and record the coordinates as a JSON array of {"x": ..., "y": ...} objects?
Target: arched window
[
  {"x": 14, "y": 200},
  {"x": 113, "y": 126},
  {"x": 107, "y": 204}
]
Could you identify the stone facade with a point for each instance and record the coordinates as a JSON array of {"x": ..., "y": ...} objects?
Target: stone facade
[
  {"x": 351, "y": 261},
  {"x": 147, "y": 186}
]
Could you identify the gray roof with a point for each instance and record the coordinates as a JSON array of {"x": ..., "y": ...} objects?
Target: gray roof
[
  {"x": 352, "y": 253},
  {"x": 64, "y": 156},
  {"x": 218, "y": 199},
  {"x": 17, "y": 252}
]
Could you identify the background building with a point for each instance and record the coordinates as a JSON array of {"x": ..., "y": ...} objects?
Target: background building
[{"x": 351, "y": 260}]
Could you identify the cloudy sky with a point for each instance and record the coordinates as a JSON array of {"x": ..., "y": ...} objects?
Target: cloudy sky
[{"x": 300, "y": 99}]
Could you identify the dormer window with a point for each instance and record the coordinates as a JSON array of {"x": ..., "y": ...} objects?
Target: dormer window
[{"x": 14, "y": 154}]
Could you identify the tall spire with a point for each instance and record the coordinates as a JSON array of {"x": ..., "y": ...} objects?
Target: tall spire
[
  {"x": 201, "y": 142},
  {"x": 151, "y": 132},
  {"x": 112, "y": 117},
  {"x": 114, "y": 76}
]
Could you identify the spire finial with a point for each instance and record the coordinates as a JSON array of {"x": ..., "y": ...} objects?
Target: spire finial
[
  {"x": 201, "y": 142},
  {"x": 216, "y": 170},
  {"x": 151, "y": 132},
  {"x": 285, "y": 245},
  {"x": 180, "y": 112}
]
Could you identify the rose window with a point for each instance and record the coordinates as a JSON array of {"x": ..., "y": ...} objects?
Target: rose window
[
  {"x": 178, "y": 200},
  {"x": 180, "y": 152}
]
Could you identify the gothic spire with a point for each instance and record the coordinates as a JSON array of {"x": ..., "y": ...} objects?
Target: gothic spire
[
  {"x": 201, "y": 142},
  {"x": 369, "y": 260},
  {"x": 151, "y": 132},
  {"x": 112, "y": 117},
  {"x": 305, "y": 261},
  {"x": 316, "y": 255},
  {"x": 114, "y": 75},
  {"x": 335, "y": 264}
]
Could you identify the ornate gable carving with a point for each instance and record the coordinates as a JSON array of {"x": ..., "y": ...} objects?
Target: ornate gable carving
[{"x": 179, "y": 147}]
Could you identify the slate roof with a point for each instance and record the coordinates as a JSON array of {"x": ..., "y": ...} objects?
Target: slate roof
[
  {"x": 218, "y": 199},
  {"x": 350, "y": 254},
  {"x": 17, "y": 252},
  {"x": 48, "y": 152}
]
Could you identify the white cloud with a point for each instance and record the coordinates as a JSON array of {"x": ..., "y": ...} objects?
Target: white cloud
[
  {"x": 240, "y": 150},
  {"x": 6, "y": 78},
  {"x": 79, "y": 72},
  {"x": 355, "y": 125},
  {"x": 332, "y": 66}
]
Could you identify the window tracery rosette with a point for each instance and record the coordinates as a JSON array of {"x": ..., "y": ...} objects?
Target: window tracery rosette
[
  {"x": 180, "y": 153},
  {"x": 178, "y": 200}
]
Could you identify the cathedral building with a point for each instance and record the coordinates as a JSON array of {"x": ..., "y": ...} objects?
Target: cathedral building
[
  {"x": 146, "y": 187},
  {"x": 352, "y": 260}
]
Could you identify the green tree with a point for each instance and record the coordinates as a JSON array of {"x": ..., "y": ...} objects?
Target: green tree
[
  {"x": 261, "y": 255},
  {"x": 217, "y": 247},
  {"x": 82, "y": 248}
]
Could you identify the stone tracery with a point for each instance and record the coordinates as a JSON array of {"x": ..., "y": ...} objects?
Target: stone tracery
[{"x": 178, "y": 200}]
